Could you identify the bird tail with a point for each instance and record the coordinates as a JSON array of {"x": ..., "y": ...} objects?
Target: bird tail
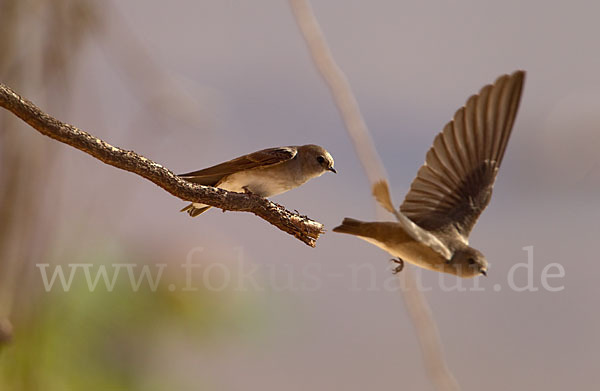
[
  {"x": 351, "y": 226},
  {"x": 193, "y": 211}
]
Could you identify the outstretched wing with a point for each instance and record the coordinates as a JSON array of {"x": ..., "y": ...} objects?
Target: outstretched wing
[
  {"x": 211, "y": 176},
  {"x": 455, "y": 184}
]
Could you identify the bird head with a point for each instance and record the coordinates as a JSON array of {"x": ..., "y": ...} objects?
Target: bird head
[
  {"x": 316, "y": 159},
  {"x": 468, "y": 262}
]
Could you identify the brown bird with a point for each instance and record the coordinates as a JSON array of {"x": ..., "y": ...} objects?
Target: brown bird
[
  {"x": 451, "y": 189},
  {"x": 266, "y": 173}
]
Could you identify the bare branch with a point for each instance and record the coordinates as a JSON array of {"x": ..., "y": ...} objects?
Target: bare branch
[
  {"x": 340, "y": 89},
  {"x": 301, "y": 227},
  {"x": 416, "y": 304},
  {"x": 427, "y": 332},
  {"x": 6, "y": 332}
]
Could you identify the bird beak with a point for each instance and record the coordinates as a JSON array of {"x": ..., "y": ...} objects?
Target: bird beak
[
  {"x": 484, "y": 272},
  {"x": 332, "y": 170}
]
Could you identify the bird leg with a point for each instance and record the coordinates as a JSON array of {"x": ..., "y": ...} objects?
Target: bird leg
[{"x": 398, "y": 261}]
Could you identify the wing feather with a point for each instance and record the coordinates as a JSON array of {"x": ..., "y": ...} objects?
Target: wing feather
[
  {"x": 455, "y": 184},
  {"x": 211, "y": 176}
]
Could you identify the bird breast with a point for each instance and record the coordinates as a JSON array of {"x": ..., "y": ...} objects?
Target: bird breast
[{"x": 262, "y": 182}]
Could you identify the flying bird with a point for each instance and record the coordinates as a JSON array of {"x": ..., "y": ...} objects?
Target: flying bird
[
  {"x": 266, "y": 173},
  {"x": 451, "y": 189}
]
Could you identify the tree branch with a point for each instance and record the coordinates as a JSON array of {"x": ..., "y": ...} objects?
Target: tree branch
[
  {"x": 6, "y": 332},
  {"x": 301, "y": 227}
]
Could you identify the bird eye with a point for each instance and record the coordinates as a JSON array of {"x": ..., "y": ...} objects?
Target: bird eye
[
  {"x": 471, "y": 261},
  {"x": 320, "y": 159}
]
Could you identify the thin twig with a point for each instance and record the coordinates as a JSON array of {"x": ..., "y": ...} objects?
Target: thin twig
[
  {"x": 415, "y": 302},
  {"x": 304, "y": 229},
  {"x": 340, "y": 89},
  {"x": 160, "y": 91},
  {"x": 6, "y": 332}
]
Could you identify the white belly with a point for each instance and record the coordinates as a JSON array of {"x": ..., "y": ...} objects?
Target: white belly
[
  {"x": 259, "y": 182},
  {"x": 413, "y": 252}
]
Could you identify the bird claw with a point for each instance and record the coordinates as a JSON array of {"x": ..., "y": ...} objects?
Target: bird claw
[
  {"x": 247, "y": 191},
  {"x": 400, "y": 263}
]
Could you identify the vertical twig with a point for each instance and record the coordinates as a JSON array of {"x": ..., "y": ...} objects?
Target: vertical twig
[
  {"x": 416, "y": 304},
  {"x": 340, "y": 89}
]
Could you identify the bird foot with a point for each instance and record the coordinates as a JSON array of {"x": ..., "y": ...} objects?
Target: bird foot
[
  {"x": 400, "y": 263},
  {"x": 247, "y": 191}
]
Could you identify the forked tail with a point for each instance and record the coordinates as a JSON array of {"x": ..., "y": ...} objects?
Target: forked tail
[{"x": 193, "y": 211}]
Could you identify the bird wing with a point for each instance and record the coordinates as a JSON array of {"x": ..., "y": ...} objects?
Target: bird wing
[
  {"x": 211, "y": 176},
  {"x": 455, "y": 184}
]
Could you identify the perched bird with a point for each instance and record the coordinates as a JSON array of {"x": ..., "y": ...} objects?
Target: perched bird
[
  {"x": 265, "y": 173},
  {"x": 451, "y": 189}
]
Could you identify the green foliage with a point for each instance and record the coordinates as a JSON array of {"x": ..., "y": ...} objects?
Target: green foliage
[{"x": 101, "y": 340}]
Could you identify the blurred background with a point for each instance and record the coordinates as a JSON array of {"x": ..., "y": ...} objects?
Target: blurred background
[{"x": 192, "y": 83}]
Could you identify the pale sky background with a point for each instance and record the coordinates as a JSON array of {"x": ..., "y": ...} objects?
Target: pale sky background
[{"x": 411, "y": 65}]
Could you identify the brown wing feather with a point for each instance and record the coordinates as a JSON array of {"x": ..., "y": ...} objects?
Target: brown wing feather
[
  {"x": 455, "y": 184},
  {"x": 211, "y": 176}
]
